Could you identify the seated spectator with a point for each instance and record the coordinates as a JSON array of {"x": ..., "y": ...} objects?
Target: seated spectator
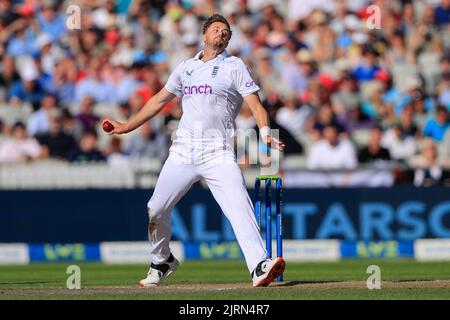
[
  {"x": 70, "y": 126},
  {"x": 428, "y": 170},
  {"x": 150, "y": 86},
  {"x": 50, "y": 21},
  {"x": 443, "y": 90},
  {"x": 277, "y": 37},
  {"x": 407, "y": 122},
  {"x": 20, "y": 147},
  {"x": 347, "y": 95},
  {"x": 380, "y": 100},
  {"x": 27, "y": 90},
  {"x": 57, "y": 143},
  {"x": 49, "y": 54},
  {"x": 367, "y": 68},
  {"x": 420, "y": 110},
  {"x": 8, "y": 78},
  {"x": 44, "y": 79},
  {"x": 353, "y": 119},
  {"x": 413, "y": 89},
  {"x": 397, "y": 53},
  {"x": 292, "y": 115},
  {"x": 332, "y": 152},
  {"x": 87, "y": 118},
  {"x": 95, "y": 86},
  {"x": 374, "y": 105},
  {"x": 125, "y": 52},
  {"x": 374, "y": 151},
  {"x": 115, "y": 156},
  {"x": 246, "y": 122},
  {"x": 39, "y": 121},
  {"x": 307, "y": 63},
  {"x": 22, "y": 38},
  {"x": 436, "y": 127},
  {"x": 147, "y": 143},
  {"x": 400, "y": 145},
  {"x": 390, "y": 93},
  {"x": 268, "y": 77},
  {"x": 325, "y": 117},
  {"x": 297, "y": 36},
  {"x": 444, "y": 64},
  {"x": 3, "y": 129},
  {"x": 64, "y": 79},
  {"x": 293, "y": 146},
  {"x": 388, "y": 117},
  {"x": 129, "y": 83},
  {"x": 442, "y": 13},
  {"x": 295, "y": 74},
  {"x": 87, "y": 150},
  {"x": 136, "y": 102}
]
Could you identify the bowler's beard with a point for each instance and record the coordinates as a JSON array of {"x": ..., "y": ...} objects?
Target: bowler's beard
[
  {"x": 219, "y": 45},
  {"x": 219, "y": 48}
]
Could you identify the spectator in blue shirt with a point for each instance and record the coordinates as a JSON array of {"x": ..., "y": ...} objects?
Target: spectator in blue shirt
[
  {"x": 130, "y": 83},
  {"x": 39, "y": 121},
  {"x": 23, "y": 40},
  {"x": 64, "y": 79},
  {"x": 437, "y": 126},
  {"x": 49, "y": 21},
  {"x": 95, "y": 86},
  {"x": 442, "y": 12},
  {"x": 368, "y": 68},
  {"x": 27, "y": 90},
  {"x": 9, "y": 77}
]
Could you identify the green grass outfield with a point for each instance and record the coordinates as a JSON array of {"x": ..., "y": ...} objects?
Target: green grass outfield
[{"x": 401, "y": 279}]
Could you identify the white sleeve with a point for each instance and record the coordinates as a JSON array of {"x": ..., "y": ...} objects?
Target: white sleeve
[
  {"x": 32, "y": 148},
  {"x": 313, "y": 158},
  {"x": 32, "y": 126},
  {"x": 174, "y": 84},
  {"x": 351, "y": 161},
  {"x": 4, "y": 151},
  {"x": 243, "y": 80}
]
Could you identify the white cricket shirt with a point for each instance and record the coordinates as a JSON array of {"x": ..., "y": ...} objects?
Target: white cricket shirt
[{"x": 212, "y": 94}]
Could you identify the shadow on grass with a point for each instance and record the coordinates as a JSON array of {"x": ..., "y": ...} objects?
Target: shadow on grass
[
  {"x": 297, "y": 282},
  {"x": 26, "y": 282},
  {"x": 300, "y": 282}
]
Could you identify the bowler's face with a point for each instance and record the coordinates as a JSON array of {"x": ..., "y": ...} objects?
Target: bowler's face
[{"x": 217, "y": 35}]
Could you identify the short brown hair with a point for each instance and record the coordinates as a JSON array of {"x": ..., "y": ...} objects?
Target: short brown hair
[{"x": 215, "y": 18}]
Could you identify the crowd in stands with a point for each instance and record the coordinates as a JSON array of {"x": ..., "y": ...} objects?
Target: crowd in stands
[{"x": 342, "y": 90}]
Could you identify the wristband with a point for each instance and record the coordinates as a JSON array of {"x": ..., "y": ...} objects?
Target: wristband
[{"x": 264, "y": 131}]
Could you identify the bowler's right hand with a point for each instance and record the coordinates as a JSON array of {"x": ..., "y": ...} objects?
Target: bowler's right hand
[{"x": 119, "y": 128}]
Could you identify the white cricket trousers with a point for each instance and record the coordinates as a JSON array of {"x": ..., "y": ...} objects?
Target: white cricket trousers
[{"x": 224, "y": 179}]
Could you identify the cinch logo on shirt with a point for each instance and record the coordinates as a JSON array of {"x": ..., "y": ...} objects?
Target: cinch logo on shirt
[
  {"x": 202, "y": 89},
  {"x": 250, "y": 84}
]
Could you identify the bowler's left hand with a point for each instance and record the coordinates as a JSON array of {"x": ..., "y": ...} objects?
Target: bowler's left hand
[{"x": 274, "y": 143}]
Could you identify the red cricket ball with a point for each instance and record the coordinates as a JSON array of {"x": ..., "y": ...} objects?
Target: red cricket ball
[{"x": 107, "y": 126}]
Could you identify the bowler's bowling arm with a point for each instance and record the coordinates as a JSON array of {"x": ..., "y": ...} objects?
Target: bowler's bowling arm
[{"x": 151, "y": 108}]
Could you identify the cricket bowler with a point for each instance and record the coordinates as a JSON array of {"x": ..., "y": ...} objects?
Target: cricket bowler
[{"x": 212, "y": 86}]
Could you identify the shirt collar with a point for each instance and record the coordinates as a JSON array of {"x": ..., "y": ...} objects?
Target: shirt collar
[{"x": 224, "y": 54}]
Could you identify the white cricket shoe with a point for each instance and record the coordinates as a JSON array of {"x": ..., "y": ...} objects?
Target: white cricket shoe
[
  {"x": 266, "y": 271},
  {"x": 158, "y": 272}
]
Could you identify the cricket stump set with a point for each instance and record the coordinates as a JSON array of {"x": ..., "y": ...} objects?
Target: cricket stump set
[{"x": 268, "y": 212}]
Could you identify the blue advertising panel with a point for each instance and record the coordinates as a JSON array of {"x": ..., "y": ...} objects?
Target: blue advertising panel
[{"x": 91, "y": 216}]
